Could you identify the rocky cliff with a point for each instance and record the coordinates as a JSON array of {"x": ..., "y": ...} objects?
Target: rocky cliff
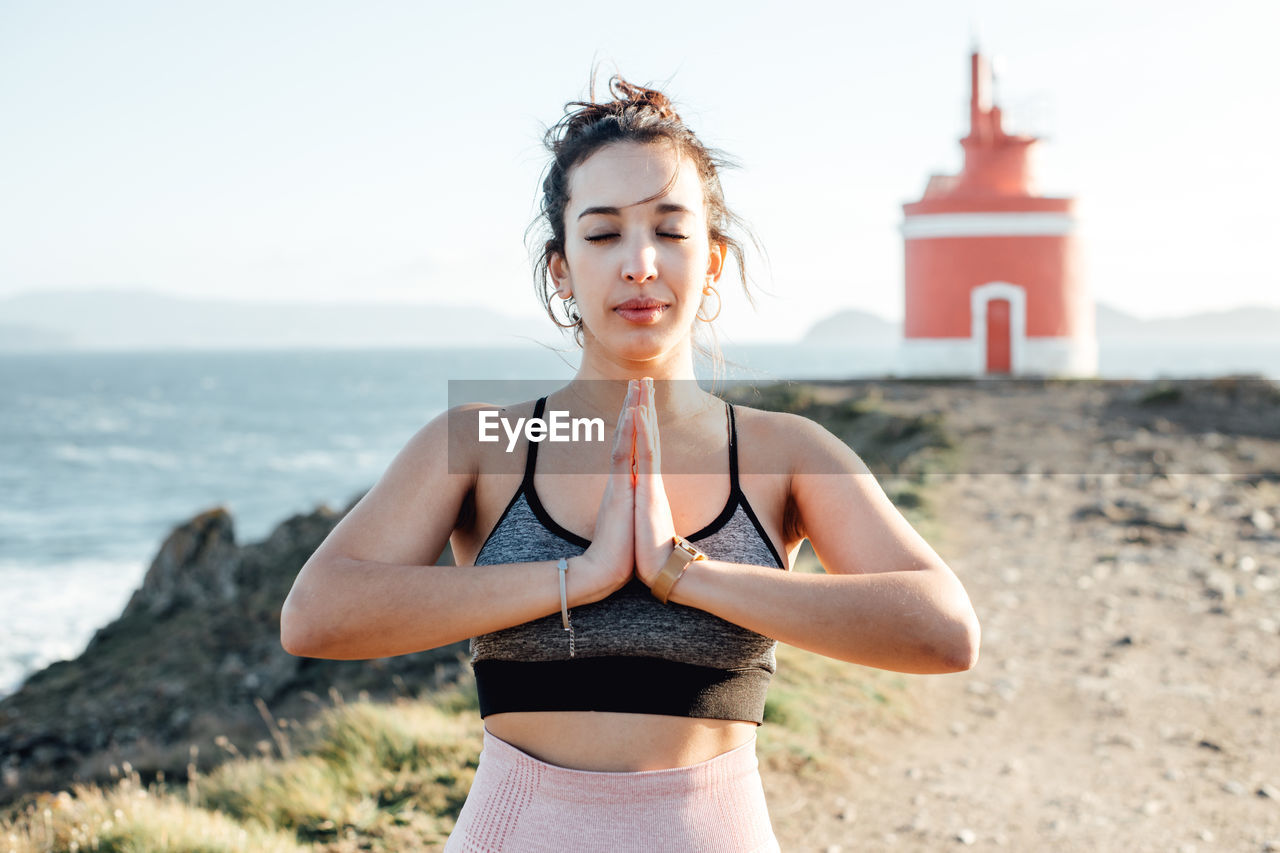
[{"x": 195, "y": 656}]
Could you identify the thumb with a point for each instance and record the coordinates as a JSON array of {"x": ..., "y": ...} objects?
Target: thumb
[
  {"x": 623, "y": 454},
  {"x": 631, "y": 427}
]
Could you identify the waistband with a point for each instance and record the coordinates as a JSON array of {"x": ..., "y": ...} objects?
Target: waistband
[
  {"x": 622, "y": 683},
  {"x": 604, "y": 787}
]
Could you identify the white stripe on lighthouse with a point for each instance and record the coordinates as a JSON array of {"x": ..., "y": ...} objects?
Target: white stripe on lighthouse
[{"x": 925, "y": 226}]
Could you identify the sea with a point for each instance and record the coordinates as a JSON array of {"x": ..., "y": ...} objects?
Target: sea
[{"x": 103, "y": 453}]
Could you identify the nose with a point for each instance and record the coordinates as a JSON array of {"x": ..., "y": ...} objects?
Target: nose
[{"x": 641, "y": 262}]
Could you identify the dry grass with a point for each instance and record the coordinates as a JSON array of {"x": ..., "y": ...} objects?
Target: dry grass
[
  {"x": 360, "y": 776},
  {"x": 392, "y": 776}
]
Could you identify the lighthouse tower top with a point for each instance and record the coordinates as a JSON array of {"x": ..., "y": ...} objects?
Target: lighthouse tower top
[{"x": 995, "y": 163}]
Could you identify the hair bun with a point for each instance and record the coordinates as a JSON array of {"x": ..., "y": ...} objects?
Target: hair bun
[
  {"x": 639, "y": 96},
  {"x": 627, "y": 102}
]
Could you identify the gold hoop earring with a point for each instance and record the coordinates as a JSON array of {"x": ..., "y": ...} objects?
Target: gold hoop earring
[{"x": 707, "y": 291}]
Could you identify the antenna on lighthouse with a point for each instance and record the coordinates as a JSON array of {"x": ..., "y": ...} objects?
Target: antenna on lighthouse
[{"x": 997, "y": 69}]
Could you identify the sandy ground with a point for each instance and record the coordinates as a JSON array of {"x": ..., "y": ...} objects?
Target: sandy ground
[{"x": 1128, "y": 692}]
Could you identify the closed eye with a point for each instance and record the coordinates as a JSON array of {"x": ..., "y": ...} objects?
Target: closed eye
[{"x": 600, "y": 238}]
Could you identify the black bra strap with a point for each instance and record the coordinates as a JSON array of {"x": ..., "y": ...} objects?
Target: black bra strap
[
  {"x": 733, "y": 450},
  {"x": 531, "y": 458}
]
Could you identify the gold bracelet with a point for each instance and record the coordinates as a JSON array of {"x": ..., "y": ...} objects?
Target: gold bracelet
[{"x": 684, "y": 554}]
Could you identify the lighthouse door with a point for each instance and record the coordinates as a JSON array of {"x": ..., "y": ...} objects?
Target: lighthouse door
[{"x": 999, "y": 358}]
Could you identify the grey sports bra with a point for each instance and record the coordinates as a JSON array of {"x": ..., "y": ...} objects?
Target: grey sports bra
[{"x": 633, "y": 653}]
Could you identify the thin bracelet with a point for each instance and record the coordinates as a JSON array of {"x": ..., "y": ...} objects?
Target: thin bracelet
[{"x": 563, "y": 566}]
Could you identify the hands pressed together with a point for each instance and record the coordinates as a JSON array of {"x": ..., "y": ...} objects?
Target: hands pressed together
[{"x": 634, "y": 529}]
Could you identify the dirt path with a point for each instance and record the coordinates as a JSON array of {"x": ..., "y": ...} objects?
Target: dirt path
[{"x": 1128, "y": 693}]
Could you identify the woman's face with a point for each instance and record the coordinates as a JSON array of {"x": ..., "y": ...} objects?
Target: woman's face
[{"x": 623, "y": 253}]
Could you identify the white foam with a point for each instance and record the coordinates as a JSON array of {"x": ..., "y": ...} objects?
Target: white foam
[
  {"x": 95, "y": 456},
  {"x": 51, "y": 612},
  {"x": 307, "y": 460}
]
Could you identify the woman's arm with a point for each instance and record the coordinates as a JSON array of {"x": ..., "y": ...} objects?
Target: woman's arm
[
  {"x": 887, "y": 600},
  {"x": 370, "y": 590},
  {"x": 351, "y": 609}
]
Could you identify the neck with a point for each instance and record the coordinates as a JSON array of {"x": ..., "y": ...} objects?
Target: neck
[{"x": 600, "y": 386}]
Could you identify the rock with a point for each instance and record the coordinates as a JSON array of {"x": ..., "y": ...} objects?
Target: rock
[
  {"x": 195, "y": 565},
  {"x": 197, "y": 643},
  {"x": 1262, "y": 520},
  {"x": 966, "y": 836},
  {"x": 1221, "y": 586}
]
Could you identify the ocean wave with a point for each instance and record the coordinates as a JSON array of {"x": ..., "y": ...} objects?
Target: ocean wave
[
  {"x": 307, "y": 460},
  {"x": 95, "y": 456},
  {"x": 52, "y": 610},
  {"x": 151, "y": 409}
]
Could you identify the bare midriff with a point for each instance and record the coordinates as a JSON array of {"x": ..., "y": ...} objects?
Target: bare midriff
[{"x": 617, "y": 742}]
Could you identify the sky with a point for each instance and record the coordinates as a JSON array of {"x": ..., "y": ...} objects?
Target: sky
[{"x": 391, "y": 151}]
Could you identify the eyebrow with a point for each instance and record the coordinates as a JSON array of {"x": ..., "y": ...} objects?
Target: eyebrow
[{"x": 665, "y": 207}]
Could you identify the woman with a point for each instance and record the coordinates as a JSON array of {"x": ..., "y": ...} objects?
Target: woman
[{"x": 622, "y": 666}]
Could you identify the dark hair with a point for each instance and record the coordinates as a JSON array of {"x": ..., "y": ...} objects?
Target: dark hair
[{"x": 635, "y": 114}]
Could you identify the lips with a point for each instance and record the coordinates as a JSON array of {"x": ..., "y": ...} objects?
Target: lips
[
  {"x": 641, "y": 310},
  {"x": 640, "y": 302}
]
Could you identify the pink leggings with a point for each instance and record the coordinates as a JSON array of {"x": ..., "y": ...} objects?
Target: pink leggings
[{"x": 519, "y": 804}]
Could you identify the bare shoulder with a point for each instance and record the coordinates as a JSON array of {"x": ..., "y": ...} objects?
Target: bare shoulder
[
  {"x": 785, "y": 441},
  {"x": 408, "y": 515},
  {"x": 471, "y": 432}
]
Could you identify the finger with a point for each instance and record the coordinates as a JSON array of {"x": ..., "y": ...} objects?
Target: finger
[
  {"x": 651, "y": 431},
  {"x": 628, "y": 399},
  {"x": 645, "y": 457},
  {"x": 655, "y": 442},
  {"x": 646, "y": 393},
  {"x": 631, "y": 429},
  {"x": 622, "y": 454}
]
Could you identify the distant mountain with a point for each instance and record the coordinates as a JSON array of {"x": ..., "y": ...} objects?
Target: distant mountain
[
  {"x": 852, "y": 326},
  {"x": 136, "y": 319},
  {"x": 1244, "y": 324}
]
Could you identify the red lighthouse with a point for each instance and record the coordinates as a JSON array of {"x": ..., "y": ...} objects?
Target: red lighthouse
[{"x": 992, "y": 273}]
